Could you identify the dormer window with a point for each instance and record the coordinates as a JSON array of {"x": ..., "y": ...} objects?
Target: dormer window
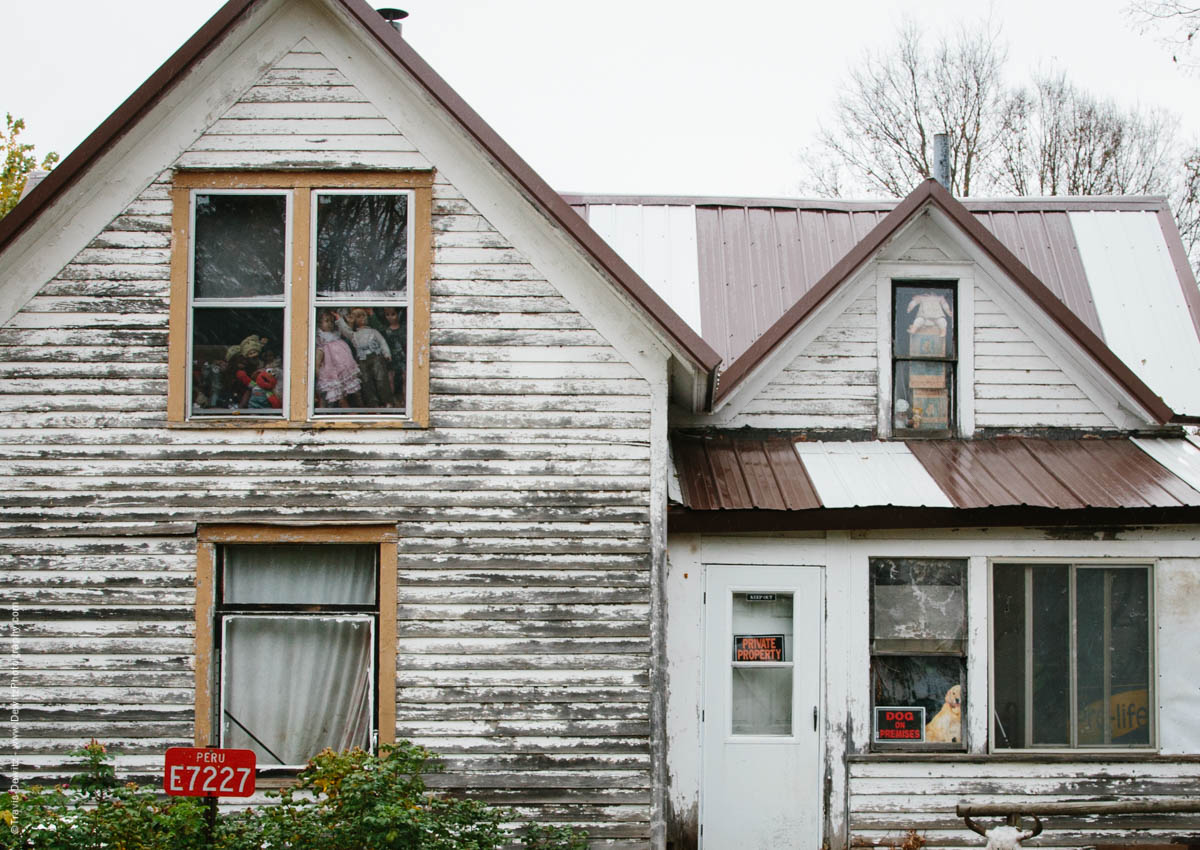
[{"x": 924, "y": 358}]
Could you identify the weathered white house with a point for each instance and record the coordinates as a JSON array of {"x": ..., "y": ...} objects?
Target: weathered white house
[{"x": 325, "y": 421}]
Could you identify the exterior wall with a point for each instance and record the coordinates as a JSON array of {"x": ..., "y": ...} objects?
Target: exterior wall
[
  {"x": 873, "y": 798},
  {"x": 523, "y": 511},
  {"x": 1016, "y": 384},
  {"x": 831, "y": 384}
]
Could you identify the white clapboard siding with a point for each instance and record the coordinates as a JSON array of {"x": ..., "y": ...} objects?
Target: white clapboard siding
[
  {"x": 303, "y": 113},
  {"x": 831, "y": 384},
  {"x": 1017, "y": 385},
  {"x": 523, "y": 512},
  {"x": 891, "y": 795}
]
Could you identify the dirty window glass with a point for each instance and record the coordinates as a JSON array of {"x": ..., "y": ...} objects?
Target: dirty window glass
[
  {"x": 361, "y": 310},
  {"x": 924, "y": 350},
  {"x": 918, "y": 649},
  {"x": 762, "y": 653},
  {"x": 240, "y": 244},
  {"x": 1039, "y": 612}
]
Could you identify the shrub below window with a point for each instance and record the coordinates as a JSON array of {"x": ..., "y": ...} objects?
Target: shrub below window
[{"x": 350, "y": 800}]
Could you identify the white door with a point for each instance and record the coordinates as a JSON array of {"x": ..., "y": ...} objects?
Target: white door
[{"x": 762, "y": 693}]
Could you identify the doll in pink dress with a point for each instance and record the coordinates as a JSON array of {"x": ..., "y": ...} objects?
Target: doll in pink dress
[{"x": 337, "y": 370}]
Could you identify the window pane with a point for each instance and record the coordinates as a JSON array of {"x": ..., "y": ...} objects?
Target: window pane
[
  {"x": 918, "y": 604},
  {"x": 924, "y": 321},
  {"x": 762, "y": 700},
  {"x": 360, "y": 358},
  {"x": 362, "y": 244},
  {"x": 239, "y": 246},
  {"x": 922, "y": 394},
  {"x": 236, "y": 360},
  {"x": 762, "y": 616},
  {"x": 1050, "y": 656},
  {"x": 1112, "y": 625},
  {"x": 297, "y": 574},
  {"x": 1008, "y": 655},
  {"x": 932, "y": 682},
  {"x": 295, "y": 685}
]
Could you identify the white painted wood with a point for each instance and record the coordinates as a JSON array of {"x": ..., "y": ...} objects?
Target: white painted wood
[
  {"x": 782, "y": 771},
  {"x": 978, "y": 654},
  {"x": 1176, "y": 591}
]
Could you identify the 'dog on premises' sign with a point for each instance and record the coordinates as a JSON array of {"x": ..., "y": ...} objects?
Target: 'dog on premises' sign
[
  {"x": 903, "y": 724},
  {"x": 208, "y": 772}
]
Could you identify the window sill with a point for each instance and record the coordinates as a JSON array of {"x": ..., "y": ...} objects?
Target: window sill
[
  {"x": 1026, "y": 756},
  {"x": 251, "y": 424}
]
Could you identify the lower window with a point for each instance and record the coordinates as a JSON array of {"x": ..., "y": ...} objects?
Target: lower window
[
  {"x": 296, "y": 642},
  {"x": 918, "y": 653},
  {"x": 1071, "y": 656}
]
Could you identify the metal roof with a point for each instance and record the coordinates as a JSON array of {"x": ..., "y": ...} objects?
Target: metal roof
[
  {"x": 1105, "y": 259},
  {"x": 777, "y": 471}
]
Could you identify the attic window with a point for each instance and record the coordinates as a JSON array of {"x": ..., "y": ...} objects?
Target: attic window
[
  {"x": 924, "y": 358},
  {"x": 299, "y": 298}
]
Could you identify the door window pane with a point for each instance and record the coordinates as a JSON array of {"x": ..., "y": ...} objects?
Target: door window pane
[{"x": 762, "y": 655}]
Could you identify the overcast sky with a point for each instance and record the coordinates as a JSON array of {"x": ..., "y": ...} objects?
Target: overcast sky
[{"x": 645, "y": 96}]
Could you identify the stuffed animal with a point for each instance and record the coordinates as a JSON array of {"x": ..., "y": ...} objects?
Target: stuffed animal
[
  {"x": 946, "y": 725},
  {"x": 262, "y": 386},
  {"x": 932, "y": 310}
]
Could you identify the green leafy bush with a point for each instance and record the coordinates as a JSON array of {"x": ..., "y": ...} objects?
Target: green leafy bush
[{"x": 351, "y": 800}]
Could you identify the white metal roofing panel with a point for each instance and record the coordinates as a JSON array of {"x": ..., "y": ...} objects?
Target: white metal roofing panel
[
  {"x": 1181, "y": 457},
  {"x": 1140, "y": 302},
  {"x": 659, "y": 242},
  {"x": 865, "y": 474}
]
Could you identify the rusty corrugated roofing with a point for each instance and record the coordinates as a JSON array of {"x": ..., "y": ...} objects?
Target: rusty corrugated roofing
[{"x": 766, "y": 472}]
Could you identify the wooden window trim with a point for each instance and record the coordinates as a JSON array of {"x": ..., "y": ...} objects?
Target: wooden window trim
[
  {"x": 210, "y": 537},
  {"x": 301, "y": 184}
]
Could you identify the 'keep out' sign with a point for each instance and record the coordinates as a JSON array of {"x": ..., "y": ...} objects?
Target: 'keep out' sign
[{"x": 208, "y": 772}]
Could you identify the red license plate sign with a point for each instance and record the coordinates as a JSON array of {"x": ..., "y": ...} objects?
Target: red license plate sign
[{"x": 208, "y": 772}]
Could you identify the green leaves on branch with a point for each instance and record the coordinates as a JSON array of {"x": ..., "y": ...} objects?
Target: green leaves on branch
[
  {"x": 19, "y": 161},
  {"x": 351, "y": 800}
]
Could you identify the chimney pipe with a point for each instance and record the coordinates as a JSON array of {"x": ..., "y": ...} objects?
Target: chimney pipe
[
  {"x": 941, "y": 159},
  {"x": 394, "y": 17}
]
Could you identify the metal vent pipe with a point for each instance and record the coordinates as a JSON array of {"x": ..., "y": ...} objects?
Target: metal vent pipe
[
  {"x": 394, "y": 17},
  {"x": 941, "y": 159}
]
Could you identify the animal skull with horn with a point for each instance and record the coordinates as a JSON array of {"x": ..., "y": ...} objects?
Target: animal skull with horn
[{"x": 1006, "y": 837}]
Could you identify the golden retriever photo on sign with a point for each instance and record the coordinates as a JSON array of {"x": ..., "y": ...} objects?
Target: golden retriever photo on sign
[{"x": 946, "y": 725}]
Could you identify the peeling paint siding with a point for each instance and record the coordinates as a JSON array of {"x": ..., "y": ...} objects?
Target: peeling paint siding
[
  {"x": 883, "y": 805},
  {"x": 1016, "y": 384},
  {"x": 523, "y": 511},
  {"x": 832, "y": 384}
]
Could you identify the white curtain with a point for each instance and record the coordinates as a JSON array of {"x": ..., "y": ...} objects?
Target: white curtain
[{"x": 293, "y": 684}]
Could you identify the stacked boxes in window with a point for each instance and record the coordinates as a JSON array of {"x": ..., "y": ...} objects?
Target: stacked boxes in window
[{"x": 930, "y": 395}]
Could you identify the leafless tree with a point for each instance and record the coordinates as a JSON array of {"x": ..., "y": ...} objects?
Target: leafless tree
[
  {"x": 1176, "y": 22},
  {"x": 1061, "y": 140},
  {"x": 896, "y": 100}
]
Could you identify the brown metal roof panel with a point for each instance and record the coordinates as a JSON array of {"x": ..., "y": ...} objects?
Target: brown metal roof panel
[
  {"x": 695, "y": 476},
  {"x": 764, "y": 268},
  {"x": 710, "y": 244},
  {"x": 757, "y": 474},
  {"x": 728, "y": 478},
  {"x": 792, "y": 478},
  {"x": 1085, "y": 473},
  {"x": 815, "y": 249},
  {"x": 1068, "y": 266},
  {"x": 963, "y": 473},
  {"x": 1019, "y": 471},
  {"x": 791, "y": 257},
  {"x": 1143, "y": 477}
]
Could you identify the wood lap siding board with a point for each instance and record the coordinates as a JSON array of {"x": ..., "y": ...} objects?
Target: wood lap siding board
[
  {"x": 890, "y": 796},
  {"x": 832, "y": 384},
  {"x": 522, "y": 512},
  {"x": 1017, "y": 384}
]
